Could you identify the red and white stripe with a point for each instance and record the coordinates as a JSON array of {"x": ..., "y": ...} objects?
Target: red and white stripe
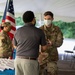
[{"x": 10, "y": 18}]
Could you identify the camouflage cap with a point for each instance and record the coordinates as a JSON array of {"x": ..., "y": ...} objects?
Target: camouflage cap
[{"x": 6, "y": 24}]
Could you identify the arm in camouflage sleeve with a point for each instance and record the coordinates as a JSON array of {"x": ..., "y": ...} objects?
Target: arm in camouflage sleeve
[{"x": 59, "y": 39}]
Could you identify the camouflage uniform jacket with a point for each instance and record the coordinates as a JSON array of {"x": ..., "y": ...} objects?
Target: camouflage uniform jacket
[
  {"x": 55, "y": 35},
  {"x": 5, "y": 45}
]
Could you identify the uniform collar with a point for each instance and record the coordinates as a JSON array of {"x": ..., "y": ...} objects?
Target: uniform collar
[
  {"x": 45, "y": 27},
  {"x": 49, "y": 28}
]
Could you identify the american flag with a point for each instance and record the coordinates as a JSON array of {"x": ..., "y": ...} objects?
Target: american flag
[{"x": 9, "y": 17}]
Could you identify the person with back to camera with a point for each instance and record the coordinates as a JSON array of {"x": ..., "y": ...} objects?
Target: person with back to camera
[{"x": 27, "y": 40}]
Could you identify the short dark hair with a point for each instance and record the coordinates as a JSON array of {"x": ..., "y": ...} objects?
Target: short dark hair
[
  {"x": 48, "y": 13},
  {"x": 28, "y": 16}
]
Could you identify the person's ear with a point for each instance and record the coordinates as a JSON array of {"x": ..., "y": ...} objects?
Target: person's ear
[{"x": 33, "y": 21}]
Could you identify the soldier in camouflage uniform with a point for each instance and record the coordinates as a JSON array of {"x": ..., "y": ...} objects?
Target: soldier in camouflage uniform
[
  {"x": 5, "y": 42},
  {"x": 54, "y": 37}
]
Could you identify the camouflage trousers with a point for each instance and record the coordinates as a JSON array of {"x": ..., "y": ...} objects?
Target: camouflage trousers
[{"x": 49, "y": 68}]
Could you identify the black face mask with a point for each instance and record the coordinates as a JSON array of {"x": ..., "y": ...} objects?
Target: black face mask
[
  {"x": 1, "y": 27},
  {"x": 34, "y": 23}
]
